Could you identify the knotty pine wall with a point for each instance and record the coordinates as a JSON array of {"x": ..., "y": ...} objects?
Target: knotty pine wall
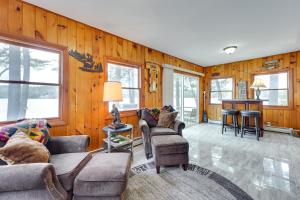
[
  {"x": 87, "y": 112},
  {"x": 288, "y": 117}
]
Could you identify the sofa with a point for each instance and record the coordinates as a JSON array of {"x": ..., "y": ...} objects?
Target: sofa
[
  {"x": 149, "y": 131},
  {"x": 53, "y": 180}
]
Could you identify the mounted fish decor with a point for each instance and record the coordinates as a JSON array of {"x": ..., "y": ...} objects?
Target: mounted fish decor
[{"x": 89, "y": 64}]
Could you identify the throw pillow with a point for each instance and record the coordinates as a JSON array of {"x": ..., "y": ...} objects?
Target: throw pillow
[
  {"x": 167, "y": 119},
  {"x": 38, "y": 130},
  {"x": 168, "y": 108},
  {"x": 9, "y": 130},
  {"x": 150, "y": 116},
  {"x": 20, "y": 149}
]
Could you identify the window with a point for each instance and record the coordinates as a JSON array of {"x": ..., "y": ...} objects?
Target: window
[
  {"x": 29, "y": 82},
  {"x": 276, "y": 92},
  {"x": 221, "y": 88},
  {"x": 129, "y": 78}
]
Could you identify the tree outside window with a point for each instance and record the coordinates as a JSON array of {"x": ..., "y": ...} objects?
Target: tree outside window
[{"x": 221, "y": 89}]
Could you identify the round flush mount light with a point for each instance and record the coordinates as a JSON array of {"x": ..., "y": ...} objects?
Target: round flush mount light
[{"x": 230, "y": 50}]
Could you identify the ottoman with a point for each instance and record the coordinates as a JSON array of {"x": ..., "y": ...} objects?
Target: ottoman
[
  {"x": 104, "y": 177},
  {"x": 170, "y": 150}
]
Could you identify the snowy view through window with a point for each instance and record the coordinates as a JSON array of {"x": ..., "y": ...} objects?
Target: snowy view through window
[{"x": 29, "y": 83}]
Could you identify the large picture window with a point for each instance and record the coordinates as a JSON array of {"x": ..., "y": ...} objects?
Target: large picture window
[
  {"x": 276, "y": 92},
  {"x": 29, "y": 82},
  {"x": 130, "y": 80},
  {"x": 221, "y": 88}
]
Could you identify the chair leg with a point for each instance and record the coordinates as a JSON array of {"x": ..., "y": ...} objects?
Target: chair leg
[
  {"x": 242, "y": 126},
  {"x": 157, "y": 169},
  {"x": 257, "y": 128},
  {"x": 234, "y": 123},
  {"x": 184, "y": 166},
  {"x": 223, "y": 122}
]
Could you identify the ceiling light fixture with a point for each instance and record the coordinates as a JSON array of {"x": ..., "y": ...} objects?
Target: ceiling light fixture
[{"x": 230, "y": 50}]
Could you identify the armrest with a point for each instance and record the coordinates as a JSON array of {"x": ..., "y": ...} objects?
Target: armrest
[
  {"x": 68, "y": 144},
  {"x": 179, "y": 126},
  {"x": 25, "y": 176},
  {"x": 144, "y": 127}
]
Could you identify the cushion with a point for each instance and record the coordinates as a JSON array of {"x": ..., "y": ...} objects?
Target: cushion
[
  {"x": 105, "y": 175},
  {"x": 150, "y": 116},
  {"x": 169, "y": 144},
  {"x": 38, "y": 130},
  {"x": 168, "y": 108},
  {"x": 68, "y": 165},
  {"x": 20, "y": 149},
  {"x": 9, "y": 130},
  {"x": 167, "y": 119},
  {"x": 162, "y": 131}
]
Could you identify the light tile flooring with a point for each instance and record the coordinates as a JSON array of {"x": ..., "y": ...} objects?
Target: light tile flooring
[{"x": 265, "y": 169}]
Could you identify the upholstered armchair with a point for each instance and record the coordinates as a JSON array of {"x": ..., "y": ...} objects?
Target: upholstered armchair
[
  {"x": 148, "y": 132},
  {"x": 48, "y": 181}
]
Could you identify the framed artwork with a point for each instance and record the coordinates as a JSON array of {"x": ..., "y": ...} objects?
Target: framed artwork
[{"x": 242, "y": 90}]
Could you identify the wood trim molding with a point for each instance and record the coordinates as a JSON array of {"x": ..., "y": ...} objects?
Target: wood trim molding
[{"x": 182, "y": 69}]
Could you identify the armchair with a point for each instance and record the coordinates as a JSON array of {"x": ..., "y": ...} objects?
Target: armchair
[
  {"x": 148, "y": 132},
  {"x": 54, "y": 180}
]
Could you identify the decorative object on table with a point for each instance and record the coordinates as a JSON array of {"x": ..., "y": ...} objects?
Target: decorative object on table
[
  {"x": 257, "y": 85},
  {"x": 271, "y": 64},
  {"x": 242, "y": 89},
  {"x": 205, "y": 119},
  {"x": 89, "y": 65},
  {"x": 113, "y": 93},
  {"x": 153, "y": 69}
]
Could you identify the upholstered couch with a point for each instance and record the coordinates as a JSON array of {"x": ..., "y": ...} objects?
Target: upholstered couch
[
  {"x": 45, "y": 181},
  {"x": 148, "y": 132}
]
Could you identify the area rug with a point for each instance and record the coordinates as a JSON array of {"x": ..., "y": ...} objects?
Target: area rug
[{"x": 173, "y": 183}]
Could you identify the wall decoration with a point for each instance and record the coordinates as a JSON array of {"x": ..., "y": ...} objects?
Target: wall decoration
[
  {"x": 242, "y": 90},
  {"x": 215, "y": 74},
  {"x": 153, "y": 69},
  {"x": 271, "y": 64},
  {"x": 89, "y": 65}
]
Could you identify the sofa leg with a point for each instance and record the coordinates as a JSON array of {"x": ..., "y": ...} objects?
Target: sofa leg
[
  {"x": 184, "y": 166},
  {"x": 157, "y": 169}
]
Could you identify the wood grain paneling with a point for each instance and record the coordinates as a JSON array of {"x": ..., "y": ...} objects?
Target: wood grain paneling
[
  {"x": 244, "y": 70},
  {"x": 87, "y": 112}
]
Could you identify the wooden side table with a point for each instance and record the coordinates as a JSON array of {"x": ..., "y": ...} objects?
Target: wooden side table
[{"x": 127, "y": 141}]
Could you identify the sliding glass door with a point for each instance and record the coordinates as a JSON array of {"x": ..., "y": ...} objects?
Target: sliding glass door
[{"x": 186, "y": 98}]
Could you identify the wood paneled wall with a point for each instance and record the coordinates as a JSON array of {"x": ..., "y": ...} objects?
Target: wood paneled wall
[
  {"x": 87, "y": 112},
  {"x": 244, "y": 70}
]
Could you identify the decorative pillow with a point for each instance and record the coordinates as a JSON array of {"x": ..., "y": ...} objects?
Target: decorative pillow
[
  {"x": 167, "y": 119},
  {"x": 150, "y": 116},
  {"x": 168, "y": 108},
  {"x": 38, "y": 130},
  {"x": 20, "y": 149},
  {"x": 9, "y": 130}
]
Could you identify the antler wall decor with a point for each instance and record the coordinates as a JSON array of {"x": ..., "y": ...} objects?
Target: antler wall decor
[{"x": 89, "y": 65}]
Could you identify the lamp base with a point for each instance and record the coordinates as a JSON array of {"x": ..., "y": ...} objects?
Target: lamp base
[
  {"x": 257, "y": 93},
  {"x": 116, "y": 126}
]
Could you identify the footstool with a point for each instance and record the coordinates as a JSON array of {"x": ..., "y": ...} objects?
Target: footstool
[
  {"x": 170, "y": 150},
  {"x": 105, "y": 176}
]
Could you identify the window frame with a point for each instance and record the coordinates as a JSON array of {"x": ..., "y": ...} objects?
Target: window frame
[
  {"x": 221, "y": 77},
  {"x": 118, "y": 61},
  {"x": 32, "y": 43},
  {"x": 289, "y": 84}
]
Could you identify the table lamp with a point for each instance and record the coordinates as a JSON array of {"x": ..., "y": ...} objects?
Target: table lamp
[
  {"x": 113, "y": 93},
  {"x": 258, "y": 84}
]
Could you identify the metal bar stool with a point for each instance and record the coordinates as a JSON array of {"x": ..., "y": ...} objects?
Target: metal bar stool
[
  {"x": 234, "y": 114},
  {"x": 250, "y": 113}
]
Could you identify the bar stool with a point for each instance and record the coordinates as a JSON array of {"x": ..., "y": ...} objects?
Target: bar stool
[
  {"x": 250, "y": 113},
  {"x": 234, "y": 114}
]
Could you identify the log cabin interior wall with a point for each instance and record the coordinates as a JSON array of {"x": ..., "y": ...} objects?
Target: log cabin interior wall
[
  {"x": 244, "y": 70},
  {"x": 87, "y": 113}
]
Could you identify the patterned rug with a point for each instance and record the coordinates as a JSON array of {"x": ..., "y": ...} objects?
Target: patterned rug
[{"x": 173, "y": 183}]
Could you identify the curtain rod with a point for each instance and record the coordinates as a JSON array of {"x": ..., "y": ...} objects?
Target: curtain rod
[{"x": 182, "y": 69}]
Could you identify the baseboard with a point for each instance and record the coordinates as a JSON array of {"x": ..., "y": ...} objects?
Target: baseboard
[
  {"x": 279, "y": 129},
  {"x": 214, "y": 122},
  {"x": 137, "y": 141}
]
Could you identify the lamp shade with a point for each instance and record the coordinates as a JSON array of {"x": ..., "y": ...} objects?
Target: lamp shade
[
  {"x": 112, "y": 91},
  {"x": 258, "y": 83}
]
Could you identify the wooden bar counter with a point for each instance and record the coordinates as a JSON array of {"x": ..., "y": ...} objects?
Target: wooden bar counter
[{"x": 247, "y": 103}]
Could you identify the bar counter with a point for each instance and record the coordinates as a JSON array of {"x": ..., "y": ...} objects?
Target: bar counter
[{"x": 247, "y": 103}]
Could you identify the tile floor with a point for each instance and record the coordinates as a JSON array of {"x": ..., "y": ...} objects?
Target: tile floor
[{"x": 266, "y": 170}]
